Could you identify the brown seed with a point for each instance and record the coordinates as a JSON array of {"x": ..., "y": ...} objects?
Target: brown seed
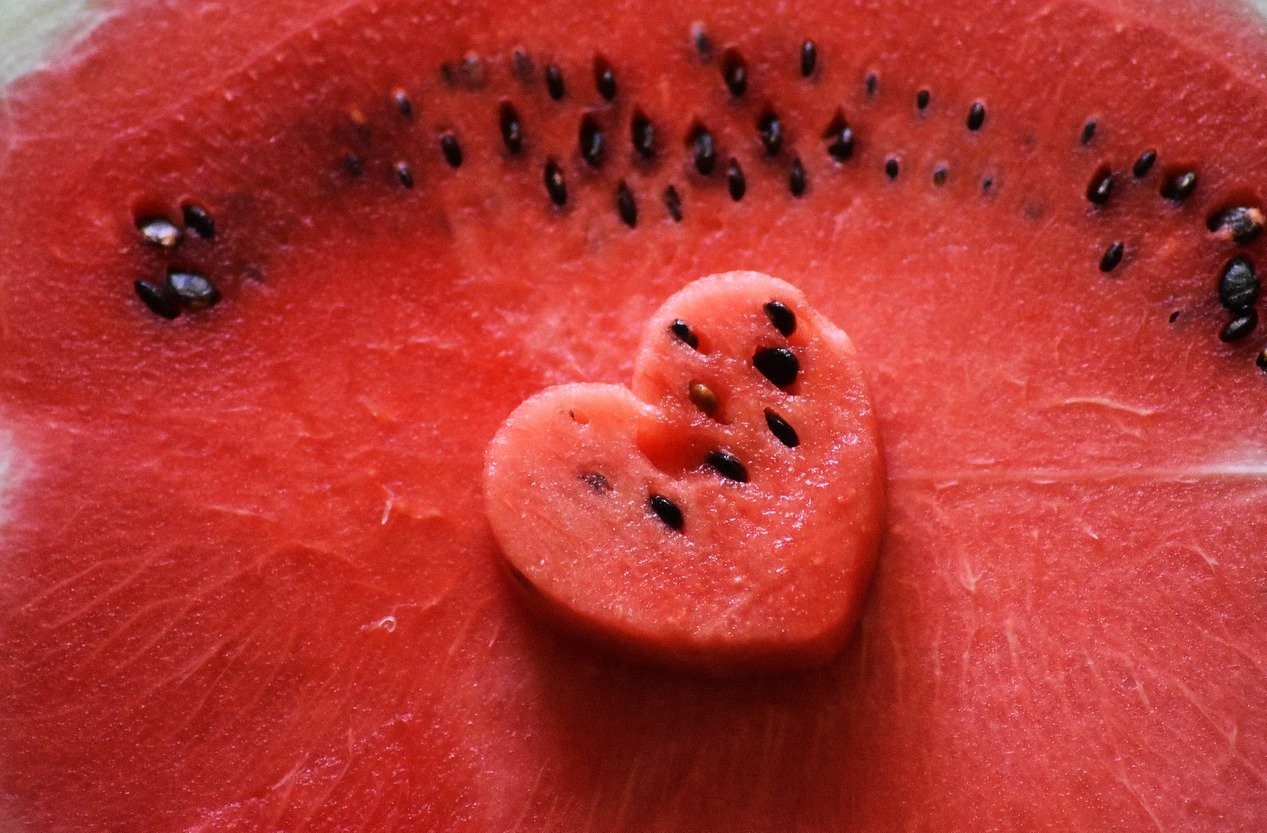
[{"x": 703, "y": 397}]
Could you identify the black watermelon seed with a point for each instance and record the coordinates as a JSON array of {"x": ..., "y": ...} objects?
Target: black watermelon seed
[
  {"x": 1173, "y": 317},
  {"x": 159, "y": 299},
  {"x": 1101, "y": 186},
  {"x": 198, "y": 220},
  {"x": 778, "y": 364},
  {"x": 1144, "y": 163},
  {"x": 840, "y": 138},
  {"x": 642, "y": 133},
  {"x": 404, "y": 174},
  {"x": 702, "y": 397},
  {"x": 668, "y": 512},
  {"x": 555, "y": 186},
  {"x": 625, "y": 205},
  {"x": 796, "y": 178},
  {"x": 728, "y": 466},
  {"x": 705, "y": 149},
  {"x": 353, "y": 165},
  {"x": 683, "y": 332},
  {"x": 159, "y": 231},
  {"x": 590, "y": 140},
  {"x": 735, "y": 182},
  {"x": 781, "y": 429},
  {"x": 1240, "y": 224},
  {"x": 604, "y": 78},
  {"x": 809, "y": 58},
  {"x": 1239, "y": 285},
  {"x": 1261, "y": 361},
  {"x": 892, "y": 167},
  {"x": 403, "y": 105},
  {"x": 781, "y": 316},
  {"x": 1112, "y": 257},
  {"x": 673, "y": 203},
  {"x": 1088, "y": 132},
  {"x": 976, "y": 116},
  {"x": 554, "y": 82},
  {"x": 511, "y": 128},
  {"x": 940, "y": 173},
  {"x": 452, "y": 149},
  {"x": 193, "y": 292},
  {"x": 522, "y": 64},
  {"x": 872, "y": 84},
  {"x": 922, "y": 98},
  {"x": 1179, "y": 187},
  {"x": 770, "y": 129},
  {"x": 703, "y": 43},
  {"x": 987, "y": 184},
  {"x": 1241, "y": 324},
  {"x": 597, "y": 482},
  {"x": 734, "y": 71}
]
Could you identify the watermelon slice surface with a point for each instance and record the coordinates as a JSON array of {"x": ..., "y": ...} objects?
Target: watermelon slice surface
[{"x": 246, "y": 578}]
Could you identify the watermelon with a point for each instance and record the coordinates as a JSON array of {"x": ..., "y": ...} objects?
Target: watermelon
[{"x": 249, "y": 579}]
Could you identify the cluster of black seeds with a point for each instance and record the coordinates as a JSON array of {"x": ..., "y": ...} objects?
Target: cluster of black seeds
[{"x": 182, "y": 290}]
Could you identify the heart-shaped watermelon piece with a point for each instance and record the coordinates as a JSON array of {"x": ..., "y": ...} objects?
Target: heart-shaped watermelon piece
[{"x": 725, "y": 512}]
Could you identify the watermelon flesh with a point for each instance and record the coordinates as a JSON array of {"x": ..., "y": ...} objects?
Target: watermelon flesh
[{"x": 248, "y": 582}]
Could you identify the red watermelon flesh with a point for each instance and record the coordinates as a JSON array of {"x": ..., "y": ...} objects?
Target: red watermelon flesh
[{"x": 247, "y": 579}]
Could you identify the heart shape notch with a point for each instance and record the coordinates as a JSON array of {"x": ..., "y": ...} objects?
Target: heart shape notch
[{"x": 722, "y": 515}]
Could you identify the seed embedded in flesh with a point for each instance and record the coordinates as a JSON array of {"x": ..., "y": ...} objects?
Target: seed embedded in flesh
[
  {"x": 872, "y": 84},
  {"x": 735, "y": 181},
  {"x": 521, "y": 62},
  {"x": 1180, "y": 186},
  {"x": 734, "y": 71},
  {"x": 892, "y": 167},
  {"x": 1144, "y": 163},
  {"x": 1112, "y": 256},
  {"x": 555, "y": 186},
  {"x": 778, "y": 364},
  {"x": 809, "y": 58},
  {"x": 158, "y": 298},
  {"x": 626, "y": 208},
  {"x": 1240, "y": 325},
  {"x": 976, "y": 116},
  {"x": 512, "y": 129},
  {"x": 1261, "y": 361},
  {"x": 673, "y": 203},
  {"x": 683, "y": 332},
  {"x": 770, "y": 129},
  {"x": 668, "y": 512},
  {"x": 839, "y": 137},
  {"x": 404, "y": 174},
  {"x": 452, "y": 149},
  {"x": 642, "y": 133},
  {"x": 781, "y": 317},
  {"x": 159, "y": 231},
  {"x": 940, "y": 173},
  {"x": 590, "y": 141},
  {"x": 1239, "y": 285},
  {"x": 598, "y": 483},
  {"x": 703, "y": 43},
  {"x": 604, "y": 78},
  {"x": 728, "y": 466},
  {"x": 554, "y": 82},
  {"x": 796, "y": 181},
  {"x": 702, "y": 397},
  {"x": 922, "y": 99},
  {"x": 1240, "y": 224},
  {"x": 781, "y": 429},
  {"x": 198, "y": 220},
  {"x": 353, "y": 165},
  {"x": 1088, "y": 132},
  {"x": 1101, "y": 186},
  {"x": 192, "y": 291},
  {"x": 403, "y": 104},
  {"x": 705, "y": 148}
]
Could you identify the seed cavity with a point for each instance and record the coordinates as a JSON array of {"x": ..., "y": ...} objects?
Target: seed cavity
[
  {"x": 1144, "y": 164},
  {"x": 778, "y": 364},
  {"x": 642, "y": 133},
  {"x": 683, "y": 332},
  {"x": 728, "y": 466},
  {"x": 1180, "y": 186},
  {"x": 158, "y": 298},
  {"x": 770, "y": 129},
  {"x": 735, "y": 181},
  {"x": 922, "y": 99},
  {"x": 554, "y": 82},
  {"x": 668, "y": 512},
  {"x": 1240, "y": 325},
  {"x": 839, "y": 137},
  {"x": 198, "y": 220},
  {"x": 1101, "y": 186},
  {"x": 781, "y": 429},
  {"x": 781, "y": 317},
  {"x": 892, "y": 167},
  {"x": 796, "y": 181},
  {"x": 976, "y": 116},
  {"x": 702, "y": 397},
  {"x": 626, "y": 208},
  {"x": 809, "y": 58},
  {"x": 403, "y": 104},
  {"x": 191, "y": 291},
  {"x": 604, "y": 78},
  {"x": 404, "y": 174},
  {"x": 1112, "y": 256},
  {"x": 1240, "y": 224},
  {"x": 590, "y": 140},
  {"x": 159, "y": 231},
  {"x": 597, "y": 482},
  {"x": 511, "y": 128},
  {"x": 704, "y": 147},
  {"x": 451, "y": 148},
  {"x": 1088, "y": 132},
  {"x": 673, "y": 203},
  {"x": 1239, "y": 285},
  {"x": 555, "y": 186},
  {"x": 734, "y": 70}
]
